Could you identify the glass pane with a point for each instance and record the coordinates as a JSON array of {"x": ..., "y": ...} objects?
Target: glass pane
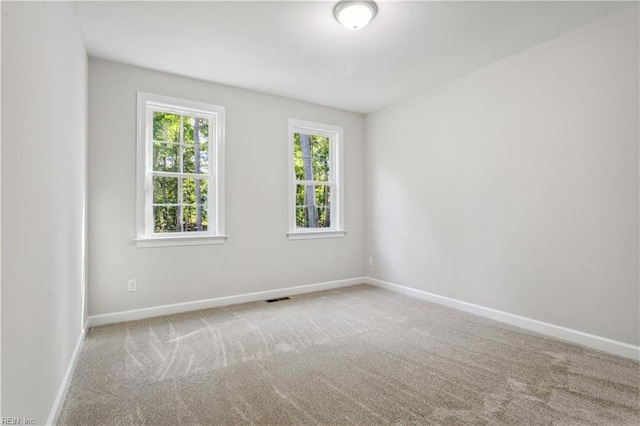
[
  {"x": 311, "y": 157},
  {"x": 196, "y": 157},
  {"x": 165, "y": 190},
  {"x": 323, "y": 205},
  {"x": 304, "y": 171},
  {"x": 195, "y": 218},
  {"x": 166, "y": 127},
  {"x": 297, "y": 157},
  {"x": 190, "y": 126},
  {"x": 195, "y": 191},
  {"x": 195, "y": 129},
  {"x": 313, "y": 206},
  {"x": 320, "y": 154},
  {"x": 166, "y": 219},
  {"x": 166, "y": 157}
]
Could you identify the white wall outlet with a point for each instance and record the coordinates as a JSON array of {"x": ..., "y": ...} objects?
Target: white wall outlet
[
  {"x": 132, "y": 285},
  {"x": 370, "y": 261}
]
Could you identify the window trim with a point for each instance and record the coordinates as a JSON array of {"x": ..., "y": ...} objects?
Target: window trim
[
  {"x": 336, "y": 137},
  {"x": 144, "y": 236}
]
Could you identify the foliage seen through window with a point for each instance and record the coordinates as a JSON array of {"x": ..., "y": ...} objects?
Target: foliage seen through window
[
  {"x": 311, "y": 161},
  {"x": 180, "y": 156}
]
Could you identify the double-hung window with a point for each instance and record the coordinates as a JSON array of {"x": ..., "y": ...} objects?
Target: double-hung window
[
  {"x": 180, "y": 189},
  {"x": 315, "y": 176}
]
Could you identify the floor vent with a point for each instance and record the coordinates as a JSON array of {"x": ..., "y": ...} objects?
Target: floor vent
[{"x": 278, "y": 299}]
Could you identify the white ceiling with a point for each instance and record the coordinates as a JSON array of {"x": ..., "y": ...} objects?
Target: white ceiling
[{"x": 298, "y": 50}]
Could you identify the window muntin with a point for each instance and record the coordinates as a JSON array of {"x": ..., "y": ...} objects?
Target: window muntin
[
  {"x": 180, "y": 190},
  {"x": 315, "y": 177}
]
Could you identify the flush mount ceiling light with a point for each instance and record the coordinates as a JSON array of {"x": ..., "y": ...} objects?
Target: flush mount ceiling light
[{"x": 354, "y": 15}]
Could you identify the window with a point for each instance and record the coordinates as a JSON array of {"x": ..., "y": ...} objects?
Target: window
[
  {"x": 180, "y": 190},
  {"x": 315, "y": 167}
]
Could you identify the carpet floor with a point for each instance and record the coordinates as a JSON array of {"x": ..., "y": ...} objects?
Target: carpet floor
[{"x": 359, "y": 355}]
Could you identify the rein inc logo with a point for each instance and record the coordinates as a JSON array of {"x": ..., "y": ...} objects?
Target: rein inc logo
[{"x": 17, "y": 421}]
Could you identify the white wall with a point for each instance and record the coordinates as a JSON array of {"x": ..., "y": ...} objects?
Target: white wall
[
  {"x": 516, "y": 187},
  {"x": 257, "y": 255},
  {"x": 44, "y": 101}
]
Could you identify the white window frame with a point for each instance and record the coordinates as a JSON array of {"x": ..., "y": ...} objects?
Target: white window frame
[
  {"x": 215, "y": 234},
  {"x": 336, "y": 138}
]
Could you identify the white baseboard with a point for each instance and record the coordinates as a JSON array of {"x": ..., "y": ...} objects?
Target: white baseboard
[
  {"x": 56, "y": 409},
  {"x": 592, "y": 341},
  {"x": 95, "y": 320}
]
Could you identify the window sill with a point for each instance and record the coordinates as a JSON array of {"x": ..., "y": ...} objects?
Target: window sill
[
  {"x": 310, "y": 235},
  {"x": 192, "y": 240}
]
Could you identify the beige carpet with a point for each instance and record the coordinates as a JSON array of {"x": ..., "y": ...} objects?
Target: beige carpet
[{"x": 359, "y": 355}]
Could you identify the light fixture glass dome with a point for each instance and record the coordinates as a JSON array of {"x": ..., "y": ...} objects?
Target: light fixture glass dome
[{"x": 354, "y": 15}]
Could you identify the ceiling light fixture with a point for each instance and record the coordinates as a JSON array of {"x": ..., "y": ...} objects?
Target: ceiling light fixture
[{"x": 354, "y": 15}]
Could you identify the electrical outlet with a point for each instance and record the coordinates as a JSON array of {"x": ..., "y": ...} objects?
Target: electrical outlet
[
  {"x": 370, "y": 261},
  {"x": 132, "y": 285}
]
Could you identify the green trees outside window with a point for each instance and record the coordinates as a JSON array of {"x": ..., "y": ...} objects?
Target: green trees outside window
[
  {"x": 311, "y": 162},
  {"x": 180, "y": 169}
]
